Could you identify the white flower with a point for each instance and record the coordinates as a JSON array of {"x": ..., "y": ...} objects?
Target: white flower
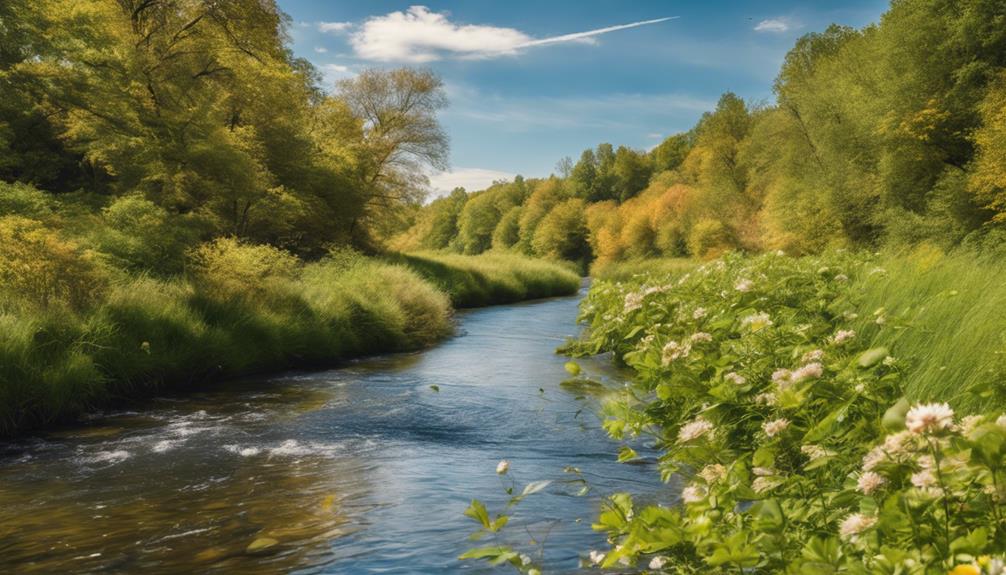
[
  {"x": 774, "y": 427},
  {"x": 525, "y": 559},
  {"x": 766, "y": 398},
  {"x": 815, "y": 355},
  {"x": 744, "y": 285},
  {"x": 843, "y": 335},
  {"x": 658, "y": 562},
  {"x": 763, "y": 471},
  {"x": 673, "y": 351},
  {"x": 873, "y": 458},
  {"x": 713, "y": 473},
  {"x": 700, "y": 336},
  {"x": 924, "y": 479},
  {"x": 890, "y": 361},
  {"x": 780, "y": 253},
  {"x": 633, "y": 301},
  {"x": 699, "y": 313},
  {"x": 929, "y": 418},
  {"x": 1001, "y": 420},
  {"x": 815, "y": 451},
  {"x": 970, "y": 422},
  {"x": 870, "y": 482},
  {"x": 735, "y": 378},
  {"x": 781, "y": 376},
  {"x": 693, "y": 494},
  {"x": 757, "y": 321},
  {"x": 596, "y": 557},
  {"x": 502, "y": 467},
  {"x": 694, "y": 429},
  {"x": 855, "y": 524},
  {"x": 809, "y": 371}
]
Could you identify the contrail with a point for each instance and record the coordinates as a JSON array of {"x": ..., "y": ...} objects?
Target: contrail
[{"x": 589, "y": 33}]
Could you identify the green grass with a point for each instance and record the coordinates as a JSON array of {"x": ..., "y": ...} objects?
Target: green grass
[
  {"x": 491, "y": 278},
  {"x": 149, "y": 334},
  {"x": 949, "y": 314},
  {"x": 625, "y": 270}
]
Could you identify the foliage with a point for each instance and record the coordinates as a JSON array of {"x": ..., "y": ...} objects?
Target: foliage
[{"x": 784, "y": 411}]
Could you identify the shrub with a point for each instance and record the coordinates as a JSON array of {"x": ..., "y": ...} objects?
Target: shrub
[{"x": 229, "y": 268}]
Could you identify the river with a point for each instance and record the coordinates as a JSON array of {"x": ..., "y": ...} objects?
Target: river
[{"x": 361, "y": 469}]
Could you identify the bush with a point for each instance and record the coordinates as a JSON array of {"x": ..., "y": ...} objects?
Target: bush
[{"x": 230, "y": 268}]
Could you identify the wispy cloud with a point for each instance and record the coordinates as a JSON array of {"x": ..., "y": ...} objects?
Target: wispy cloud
[
  {"x": 332, "y": 73},
  {"x": 775, "y": 25},
  {"x": 419, "y": 35},
  {"x": 321, "y": 49},
  {"x": 334, "y": 27},
  {"x": 471, "y": 179}
]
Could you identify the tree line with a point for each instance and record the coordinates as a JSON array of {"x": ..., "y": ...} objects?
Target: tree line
[{"x": 890, "y": 134}]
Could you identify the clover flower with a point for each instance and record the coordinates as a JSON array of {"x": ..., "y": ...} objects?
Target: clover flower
[
  {"x": 693, "y": 494},
  {"x": 781, "y": 376},
  {"x": 633, "y": 301},
  {"x": 673, "y": 351},
  {"x": 735, "y": 378},
  {"x": 699, "y": 313},
  {"x": 502, "y": 467},
  {"x": 700, "y": 337},
  {"x": 744, "y": 285},
  {"x": 767, "y": 398},
  {"x": 694, "y": 429},
  {"x": 870, "y": 482},
  {"x": 814, "y": 355},
  {"x": 924, "y": 479},
  {"x": 775, "y": 427},
  {"x": 658, "y": 562},
  {"x": 713, "y": 472},
  {"x": 815, "y": 451},
  {"x": 843, "y": 335},
  {"x": 854, "y": 525},
  {"x": 929, "y": 418},
  {"x": 809, "y": 371},
  {"x": 596, "y": 557}
]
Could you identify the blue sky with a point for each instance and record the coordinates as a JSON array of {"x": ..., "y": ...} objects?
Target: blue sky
[{"x": 533, "y": 81}]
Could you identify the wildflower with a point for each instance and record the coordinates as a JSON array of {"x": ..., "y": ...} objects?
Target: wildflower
[
  {"x": 815, "y": 355},
  {"x": 966, "y": 569},
  {"x": 763, "y": 471},
  {"x": 673, "y": 351},
  {"x": 809, "y": 371},
  {"x": 854, "y": 525},
  {"x": 843, "y": 335},
  {"x": 870, "y": 482},
  {"x": 700, "y": 337},
  {"x": 525, "y": 559},
  {"x": 970, "y": 422},
  {"x": 744, "y": 285},
  {"x": 815, "y": 451},
  {"x": 658, "y": 562},
  {"x": 924, "y": 479},
  {"x": 873, "y": 458},
  {"x": 757, "y": 321},
  {"x": 735, "y": 378},
  {"x": 693, "y": 494},
  {"x": 596, "y": 557},
  {"x": 929, "y": 418},
  {"x": 780, "y": 253},
  {"x": 713, "y": 473},
  {"x": 699, "y": 313},
  {"x": 502, "y": 467},
  {"x": 1001, "y": 420},
  {"x": 694, "y": 429},
  {"x": 775, "y": 427},
  {"x": 781, "y": 376},
  {"x": 766, "y": 398},
  {"x": 633, "y": 301},
  {"x": 763, "y": 484},
  {"x": 889, "y": 361}
]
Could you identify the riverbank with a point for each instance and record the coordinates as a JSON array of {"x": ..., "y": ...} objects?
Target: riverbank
[
  {"x": 102, "y": 335},
  {"x": 850, "y": 404}
]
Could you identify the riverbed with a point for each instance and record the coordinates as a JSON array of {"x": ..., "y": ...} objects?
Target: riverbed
[{"x": 362, "y": 469}]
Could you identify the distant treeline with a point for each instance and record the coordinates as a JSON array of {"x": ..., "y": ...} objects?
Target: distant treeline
[{"x": 892, "y": 134}]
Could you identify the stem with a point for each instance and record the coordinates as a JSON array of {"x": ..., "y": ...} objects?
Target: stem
[{"x": 946, "y": 496}]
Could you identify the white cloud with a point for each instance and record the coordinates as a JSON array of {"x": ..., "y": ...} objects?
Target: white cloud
[
  {"x": 774, "y": 25},
  {"x": 321, "y": 49},
  {"x": 471, "y": 179},
  {"x": 332, "y": 73},
  {"x": 654, "y": 135},
  {"x": 334, "y": 27},
  {"x": 419, "y": 35}
]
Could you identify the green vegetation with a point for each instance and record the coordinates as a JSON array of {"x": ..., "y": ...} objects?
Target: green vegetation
[
  {"x": 890, "y": 135},
  {"x": 491, "y": 278},
  {"x": 839, "y": 413}
]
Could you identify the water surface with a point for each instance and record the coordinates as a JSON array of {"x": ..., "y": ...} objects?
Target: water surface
[{"x": 362, "y": 469}]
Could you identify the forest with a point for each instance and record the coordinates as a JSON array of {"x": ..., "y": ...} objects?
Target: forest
[{"x": 891, "y": 135}]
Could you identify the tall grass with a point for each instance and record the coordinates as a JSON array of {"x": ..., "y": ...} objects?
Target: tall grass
[
  {"x": 147, "y": 334},
  {"x": 491, "y": 278},
  {"x": 949, "y": 315},
  {"x": 624, "y": 270}
]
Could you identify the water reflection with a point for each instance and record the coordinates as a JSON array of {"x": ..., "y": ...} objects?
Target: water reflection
[{"x": 364, "y": 469}]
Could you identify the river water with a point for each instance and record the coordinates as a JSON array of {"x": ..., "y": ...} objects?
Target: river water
[{"x": 361, "y": 469}]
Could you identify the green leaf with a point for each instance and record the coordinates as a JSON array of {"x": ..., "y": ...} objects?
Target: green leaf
[
  {"x": 485, "y": 553},
  {"x": 572, "y": 368},
  {"x": 477, "y": 511},
  {"x": 872, "y": 357},
  {"x": 535, "y": 487},
  {"x": 626, "y": 453}
]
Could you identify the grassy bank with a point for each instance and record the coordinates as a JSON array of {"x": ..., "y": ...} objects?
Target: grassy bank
[
  {"x": 491, "y": 278},
  {"x": 242, "y": 309},
  {"x": 826, "y": 414}
]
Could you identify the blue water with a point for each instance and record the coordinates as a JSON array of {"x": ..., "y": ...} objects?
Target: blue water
[{"x": 362, "y": 469}]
